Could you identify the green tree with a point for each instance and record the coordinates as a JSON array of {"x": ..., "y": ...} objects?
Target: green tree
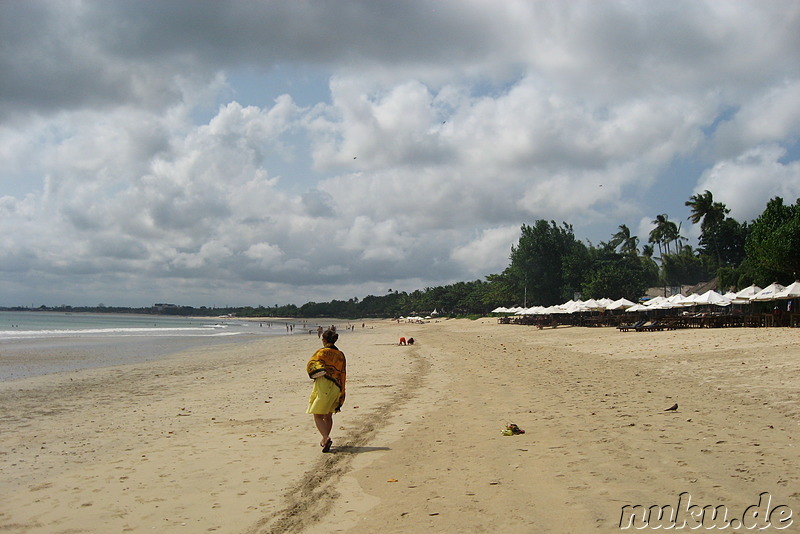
[
  {"x": 616, "y": 275},
  {"x": 502, "y": 291},
  {"x": 663, "y": 233},
  {"x": 705, "y": 211},
  {"x": 541, "y": 263},
  {"x": 624, "y": 241},
  {"x": 656, "y": 236},
  {"x": 773, "y": 242},
  {"x": 672, "y": 234},
  {"x": 711, "y": 216},
  {"x": 650, "y": 271},
  {"x": 729, "y": 240},
  {"x": 683, "y": 268}
]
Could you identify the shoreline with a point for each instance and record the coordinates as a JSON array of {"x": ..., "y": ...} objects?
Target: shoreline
[
  {"x": 217, "y": 439},
  {"x": 75, "y": 348},
  {"x": 25, "y": 358}
]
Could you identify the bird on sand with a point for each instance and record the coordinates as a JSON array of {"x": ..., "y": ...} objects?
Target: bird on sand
[{"x": 672, "y": 408}]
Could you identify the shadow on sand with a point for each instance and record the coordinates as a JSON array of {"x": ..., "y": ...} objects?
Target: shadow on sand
[{"x": 350, "y": 449}]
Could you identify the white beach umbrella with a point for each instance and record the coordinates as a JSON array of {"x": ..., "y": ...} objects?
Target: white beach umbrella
[
  {"x": 748, "y": 292},
  {"x": 666, "y": 304},
  {"x": 637, "y": 308},
  {"x": 711, "y": 297},
  {"x": 576, "y": 307},
  {"x": 675, "y": 301},
  {"x": 743, "y": 296},
  {"x": 690, "y": 300},
  {"x": 592, "y": 304},
  {"x": 792, "y": 291},
  {"x": 500, "y": 309},
  {"x": 620, "y": 304},
  {"x": 654, "y": 301},
  {"x": 769, "y": 292}
]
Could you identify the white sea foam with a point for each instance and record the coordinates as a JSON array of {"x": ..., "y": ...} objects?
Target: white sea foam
[
  {"x": 35, "y": 343},
  {"x": 210, "y": 331}
]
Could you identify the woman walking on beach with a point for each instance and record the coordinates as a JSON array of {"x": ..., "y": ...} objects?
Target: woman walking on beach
[{"x": 327, "y": 367}]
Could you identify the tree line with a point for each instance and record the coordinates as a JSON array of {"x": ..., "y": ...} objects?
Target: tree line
[{"x": 548, "y": 266}]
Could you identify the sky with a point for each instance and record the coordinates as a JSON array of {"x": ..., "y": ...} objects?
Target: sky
[{"x": 251, "y": 153}]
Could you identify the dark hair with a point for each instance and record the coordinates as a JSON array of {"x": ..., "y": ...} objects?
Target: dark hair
[{"x": 329, "y": 336}]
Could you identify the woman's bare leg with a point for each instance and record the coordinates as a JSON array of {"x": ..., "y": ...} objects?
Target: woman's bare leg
[{"x": 324, "y": 424}]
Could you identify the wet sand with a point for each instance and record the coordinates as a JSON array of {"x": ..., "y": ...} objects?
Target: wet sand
[{"x": 216, "y": 439}]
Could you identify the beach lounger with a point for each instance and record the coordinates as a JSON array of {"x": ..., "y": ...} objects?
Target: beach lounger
[
  {"x": 629, "y": 327},
  {"x": 652, "y": 327}
]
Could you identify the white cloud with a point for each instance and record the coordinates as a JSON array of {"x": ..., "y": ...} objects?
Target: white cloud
[
  {"x": 442, "y": 128},
  {"x": 770, "y": 117},
  {"x": 265, "y": 254},
  {"x": 489, "y": 251},
  {"x": 745, "y": 184}
]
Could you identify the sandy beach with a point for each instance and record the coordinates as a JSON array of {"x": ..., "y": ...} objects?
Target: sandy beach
[{"x": 216, "y": 439}]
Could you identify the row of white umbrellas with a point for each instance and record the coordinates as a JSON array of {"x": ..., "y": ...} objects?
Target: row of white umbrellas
[
  {"x": 749, "y": 294},
  {"x": 415, "y": 318}
]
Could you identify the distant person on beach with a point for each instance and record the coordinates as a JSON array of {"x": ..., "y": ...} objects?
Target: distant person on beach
[
  {"x": 319, "y": 332},
  {"x": 327, "y": 367},
  {"x": 402, "y": 341},
  {"x": 410, "y": 341},
  {"x": 776, "y": 316}
]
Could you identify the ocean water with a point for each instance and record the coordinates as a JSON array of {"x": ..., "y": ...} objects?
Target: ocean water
[
  {"x": 37, "y": 343},
  {"x": 34, "y": 325}
]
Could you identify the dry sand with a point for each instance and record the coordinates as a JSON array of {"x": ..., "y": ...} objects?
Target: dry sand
[{"x": 217, "y": 440}]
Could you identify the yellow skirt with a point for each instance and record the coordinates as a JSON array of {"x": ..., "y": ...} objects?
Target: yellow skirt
[{"x": 324, "y": 397}]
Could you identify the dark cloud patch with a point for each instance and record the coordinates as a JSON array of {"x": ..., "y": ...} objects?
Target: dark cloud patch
[
  {"x": 51, "y": 60},
  {"x": 268, "y": 32},
  {"x": 318, "y": 204},
  {"x": 58, "y": 55}
]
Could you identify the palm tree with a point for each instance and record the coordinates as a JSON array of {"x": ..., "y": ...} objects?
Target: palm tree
[
  {"x": 656, "y": 237},
  {"x": 675, "y": 234},
  {"x": 671, "y": 234},
  {"x": 705, "y": 211},
  {"x": 710, "y": 215},
  {"x": 628, "y": 244},
  {"x": 663, "y": 233}
]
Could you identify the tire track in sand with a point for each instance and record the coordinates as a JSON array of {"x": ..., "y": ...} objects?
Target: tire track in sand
[{"x": 315, "y": 494}]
